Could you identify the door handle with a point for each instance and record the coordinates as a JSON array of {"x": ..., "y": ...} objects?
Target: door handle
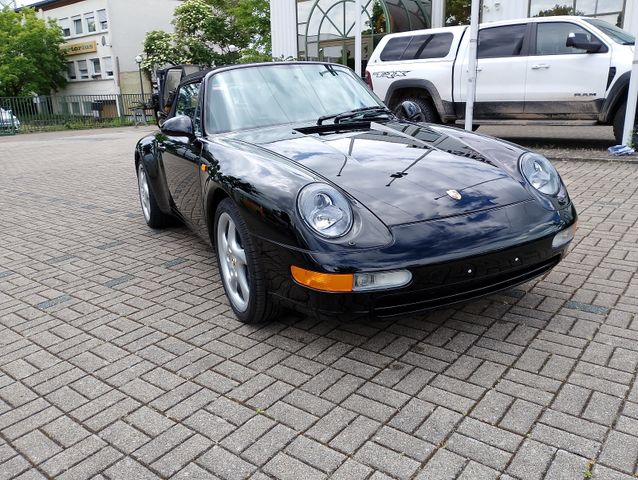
[
  {"x": 161, "y": 148},
  {"x": 478, "y": 69},
  {"x": 540, "y": 66}
]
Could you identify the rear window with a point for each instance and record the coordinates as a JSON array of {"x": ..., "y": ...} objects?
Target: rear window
[{"x": 417, "y": 47}]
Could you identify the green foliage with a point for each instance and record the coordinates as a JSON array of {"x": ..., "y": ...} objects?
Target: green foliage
[
  {"x": 558, "y": 10},
  {"x": 212, "y": 32},
  {"x": 31, "y": 61},
  {"x": 457, "y": 12}
]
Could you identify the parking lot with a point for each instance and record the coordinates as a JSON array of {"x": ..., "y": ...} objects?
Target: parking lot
[{"x": 120, "y": 358}]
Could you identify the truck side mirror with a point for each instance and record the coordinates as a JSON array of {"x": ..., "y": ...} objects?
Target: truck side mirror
[{"x": 579, "y": 40}]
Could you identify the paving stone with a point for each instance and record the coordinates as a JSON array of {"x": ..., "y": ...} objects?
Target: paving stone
[
  {"x": 354, "y": 435},
  {"x": 182, "y": 454},
  {"x": 532, "y": 460},
  {"x": 351, "y": 470},
  {"x": 386, "y": 460},
  {"x": 315, "y": 454},
  {"x": 124, "y": 437},
  {"x": 620, "y": 452},
  {"x": 478, "y": 451},
  {"x": 444, "y": 465},
  {"x": 65, "y": 431},
  {"x": 36, "y": 446},
  {"x": 567, "y": 466},
  {"x": 285, "y": 467},
  {"x": 438, "y": 425},
  {"x": 404, "y": 444},
  {"x": 269, "y": 445},
  {"x": 247, "y": 434},
  {"x": 127, "y": 469},
  {"x": 149, "y": 421}
]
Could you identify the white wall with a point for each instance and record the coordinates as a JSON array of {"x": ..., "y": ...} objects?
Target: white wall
[
  {"x": 283, "y": 25},
  {"x": 129, "y": 22}
]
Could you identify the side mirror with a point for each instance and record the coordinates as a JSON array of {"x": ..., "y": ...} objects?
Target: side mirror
[
  {"x": 179, "y": 126},
  {"x": 579, "y": 40},
  {"x": 410, "y": 111}
]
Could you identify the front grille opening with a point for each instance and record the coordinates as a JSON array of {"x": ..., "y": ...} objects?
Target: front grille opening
[{"x": 393, "y": 305}]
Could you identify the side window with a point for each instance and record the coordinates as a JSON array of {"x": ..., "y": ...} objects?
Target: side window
[
  {"x": 188, "y": 103},
  {"x": 430, "y": 46},
  {"x": 419, "y": 46},
  {"x": 505, "y": 41},
  {"x": 551, "y": 38},
  {"x": 395, "y": 48}
]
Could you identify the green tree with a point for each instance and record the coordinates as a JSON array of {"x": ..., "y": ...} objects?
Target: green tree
[
  {"x": 31, "y": 61},
  {"x": 457, "y": 12},
  {"x": 212, "y": 32},
  {"x": 558, "y": 10}
]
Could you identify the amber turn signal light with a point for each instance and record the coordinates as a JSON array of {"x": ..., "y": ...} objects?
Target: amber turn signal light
[{"x": 326, "y": 282}]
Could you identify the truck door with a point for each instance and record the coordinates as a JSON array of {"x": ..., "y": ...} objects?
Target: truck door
[
  {"x": 501, "y": 73},
  {"x": 564, "y": 81}
]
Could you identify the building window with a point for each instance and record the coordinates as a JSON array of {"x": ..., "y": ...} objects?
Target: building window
[
  {"x": 82, "y": 67},
  {"x": 101, "y": 18},
  {"x": 95, "y": 65},
  {"x": 65, "y": 26},
  {"x": 107, "y": 63},
  {"x": 90, "y": 22},
  {"x": 77, "y": 26},
  {"x": 70, "y": 70}
]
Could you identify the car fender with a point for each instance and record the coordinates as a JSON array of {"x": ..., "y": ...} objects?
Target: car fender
[
  {"x": 267, "y": 198},
  {"x": 617, "y": 95},
  {"x": 148, "y": 153}
]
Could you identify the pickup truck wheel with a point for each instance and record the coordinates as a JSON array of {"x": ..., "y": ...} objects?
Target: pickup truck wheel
[
  {"x": 619, "y": 120},
  {"x": 429, "y": 112}
]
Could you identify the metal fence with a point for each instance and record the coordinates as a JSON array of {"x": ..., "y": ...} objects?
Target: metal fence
[{"x": 59, "y": 112}]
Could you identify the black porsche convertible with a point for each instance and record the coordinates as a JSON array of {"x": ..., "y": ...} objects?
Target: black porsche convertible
[{"x": 317, "y": 197}]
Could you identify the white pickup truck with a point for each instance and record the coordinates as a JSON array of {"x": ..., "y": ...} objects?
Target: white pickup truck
[{"x": 548, "y": 70}]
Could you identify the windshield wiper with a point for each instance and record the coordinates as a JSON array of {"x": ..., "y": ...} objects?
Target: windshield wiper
[{"x": 363, "y": 111}]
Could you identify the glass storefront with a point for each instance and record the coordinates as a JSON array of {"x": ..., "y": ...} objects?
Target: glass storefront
[
  {"x": 608, "y": 10},
  {"x": 325, "y": 28}
]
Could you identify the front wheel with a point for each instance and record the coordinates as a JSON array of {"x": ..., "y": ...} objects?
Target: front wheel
[
  {"x": 153, "y": 216},
  {"x": 240, "y": 266},
  {"x": 430, "y": 115}
]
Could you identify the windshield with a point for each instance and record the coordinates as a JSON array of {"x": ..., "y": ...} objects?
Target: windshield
[
  {"x": 276, "y": 94},
  {"x": 613, "y": 32}
]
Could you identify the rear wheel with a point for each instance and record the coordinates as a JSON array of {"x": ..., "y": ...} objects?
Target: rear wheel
[
  {"x": 619, "y": 120},
  {"x": 430, "y": 114},
  {"x": 240, "y": 266}
]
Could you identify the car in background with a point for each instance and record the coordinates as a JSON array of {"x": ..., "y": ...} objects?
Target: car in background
[
  {"x": 315, "y": 196},
  {"x": 564, "y": 70},
  {"x": 8, "y": 120}
]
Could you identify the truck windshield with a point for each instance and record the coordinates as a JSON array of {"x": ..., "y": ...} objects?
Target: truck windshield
[
  {"x": 276, "y": 94},
  {"x": 612, "y": 31}
]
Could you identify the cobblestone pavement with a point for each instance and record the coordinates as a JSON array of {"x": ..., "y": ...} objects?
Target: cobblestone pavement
[{"x": 120, "y": 359}]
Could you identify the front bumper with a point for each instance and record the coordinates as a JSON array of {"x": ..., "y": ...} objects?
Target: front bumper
[{"x": 449, "y": 262}]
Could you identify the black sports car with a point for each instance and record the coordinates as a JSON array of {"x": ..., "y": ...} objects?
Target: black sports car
[{"x": 317, "y": 197}]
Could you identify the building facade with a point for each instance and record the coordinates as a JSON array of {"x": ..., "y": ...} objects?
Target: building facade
[
  {"x": 103, "y": 37},
  {"x": 324, "y": 29}
]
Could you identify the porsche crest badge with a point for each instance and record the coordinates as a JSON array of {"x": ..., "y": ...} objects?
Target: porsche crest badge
[{"x": 453, "y": 194}]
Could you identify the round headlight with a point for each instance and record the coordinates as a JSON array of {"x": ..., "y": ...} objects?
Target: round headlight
[
  {"x": 540, "y": 173},
  {"x": 325, "y": 210}
]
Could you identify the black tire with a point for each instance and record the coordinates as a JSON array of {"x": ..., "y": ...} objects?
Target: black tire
[
  {"x": 153, "y": 216},
  {"x": 619, "y": 120},
  {"x": 430, "y": 114},
  {"x": 256, "y": 306}
]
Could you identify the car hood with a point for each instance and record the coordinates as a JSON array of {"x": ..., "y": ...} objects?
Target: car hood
[{"x": 401, "y": 172}]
